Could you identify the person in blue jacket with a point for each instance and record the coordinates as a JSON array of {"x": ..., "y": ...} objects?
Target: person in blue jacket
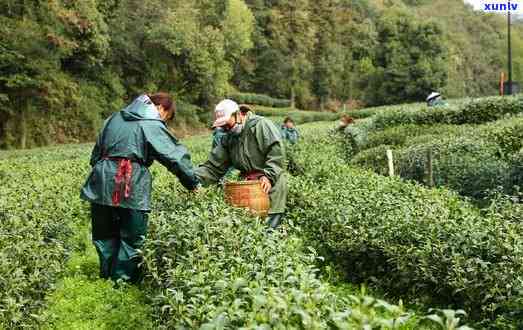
[{"x": 289, "y": 131}]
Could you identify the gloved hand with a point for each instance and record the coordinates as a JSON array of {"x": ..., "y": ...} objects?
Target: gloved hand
[{"x": 266, "y": 184}]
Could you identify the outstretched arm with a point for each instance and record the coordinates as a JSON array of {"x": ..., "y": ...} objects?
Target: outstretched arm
[
  {"x": 215, "y": 167},
  {"x": 171, "y": 154}
]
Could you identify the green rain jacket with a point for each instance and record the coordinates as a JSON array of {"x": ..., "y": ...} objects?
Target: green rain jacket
[
  {"x": 258, "y": 148},
  {"x": 290, "y": 134},
  {"x": 139, "y": 134},
  {"x": 217, "y": 136}
]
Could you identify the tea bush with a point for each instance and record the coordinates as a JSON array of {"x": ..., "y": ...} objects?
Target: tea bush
[
  {"x": 424, "y": 244},
  {"x": 208, "y": 265},
  {"x": 474, "y": 112},
  {"x": 506, "y": 134},
  {"x": 472, "y": 160},
  {"x": 299, "y": 116},
  {"x": 469, "y": 166},
  {"x": 213, "y": 266},
  {"x": 260, "y": 99},
  {"x": 40, "y": 214}
]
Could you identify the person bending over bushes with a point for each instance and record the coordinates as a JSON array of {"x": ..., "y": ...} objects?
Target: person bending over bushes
[
  {"x": 254, "y": 146},
  {"x": 119, "y": 185}
]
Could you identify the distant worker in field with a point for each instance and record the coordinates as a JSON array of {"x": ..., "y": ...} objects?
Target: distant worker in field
[
  {"x": 254, "y": 146},
  {"x": 119, "y": 185},
  {"x": 289, "y": 131},
  {"x": 344, "y": 122},
  {"x": 435, "y": 100}
]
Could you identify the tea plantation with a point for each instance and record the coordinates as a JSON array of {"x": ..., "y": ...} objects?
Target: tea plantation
[{"x": 358, "y": 251}]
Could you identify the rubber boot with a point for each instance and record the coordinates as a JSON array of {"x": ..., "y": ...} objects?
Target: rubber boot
[{"x": 274, "y": 220}]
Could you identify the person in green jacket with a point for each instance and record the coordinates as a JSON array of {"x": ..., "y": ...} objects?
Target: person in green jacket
[
  {"x": 254, "y": 146},
  {"x": 289, "y": 131},
  {"x": 119, "y": 185}
]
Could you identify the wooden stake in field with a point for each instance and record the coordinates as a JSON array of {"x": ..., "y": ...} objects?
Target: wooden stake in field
[
  {"x": 502, "y": 84},
  {"x": 391, "y": 162},
  {"x": 430, "y": 171}
]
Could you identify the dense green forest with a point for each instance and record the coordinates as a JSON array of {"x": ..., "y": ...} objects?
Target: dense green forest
[{"x": 66, "y": 64}]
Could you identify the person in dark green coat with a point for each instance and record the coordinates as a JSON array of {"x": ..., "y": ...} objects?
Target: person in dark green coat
[
  {"x": 119, "y": 185},
  {"x": 289, "y": 131},
  {"x": 254, "y": 146}
]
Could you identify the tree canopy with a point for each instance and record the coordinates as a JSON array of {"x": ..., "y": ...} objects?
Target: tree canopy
[{"x": 65, "y": 65}]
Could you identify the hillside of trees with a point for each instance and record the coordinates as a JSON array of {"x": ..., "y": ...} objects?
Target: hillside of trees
[{"x": 65, "y": 64}]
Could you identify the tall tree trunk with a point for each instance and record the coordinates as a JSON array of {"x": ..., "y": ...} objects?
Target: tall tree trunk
[
  {"x": 23, "y": 129},
  {"x": 22, "y": 125},
  {"x": 293, "y": 98}
]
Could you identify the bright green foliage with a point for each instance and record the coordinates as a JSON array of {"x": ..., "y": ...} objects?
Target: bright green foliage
[
  {"x": 208, "y": 264},
  {"x": 83, "y": 304},
  {"x": 260, "y": 99},
  {"x": 40, "y": 214},
  {"x": 467, "y": 165},
  {"x": 412, "y": 242},
  {"x": 299, "y": 116},
  {"x": 473, "y": 160},
  {"x": 473, "y": 112},
  {"x": 238, "y": 26}
]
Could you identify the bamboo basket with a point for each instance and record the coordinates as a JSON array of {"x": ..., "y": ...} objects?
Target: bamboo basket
[{"x": 248, "y": 195}]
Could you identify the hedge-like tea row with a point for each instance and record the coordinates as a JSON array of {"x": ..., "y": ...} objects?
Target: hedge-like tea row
[
  {"x": 410, "y": 241},
  {"x": 474, "y": 112},
  {"x": 211, "y": 267},
  {"x": 40, "y": 215},
  {"x": 208, "y": 264},
  {"x": 298, "y": 116},
  {"x": 472, "y": 160},
  {"x": 260, "y": 99}
]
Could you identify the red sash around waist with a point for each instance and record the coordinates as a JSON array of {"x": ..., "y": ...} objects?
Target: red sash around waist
[{"x": 122, "y": 179}]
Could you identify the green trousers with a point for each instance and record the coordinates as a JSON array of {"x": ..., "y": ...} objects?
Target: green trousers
[{"x": 118, "y": 234}]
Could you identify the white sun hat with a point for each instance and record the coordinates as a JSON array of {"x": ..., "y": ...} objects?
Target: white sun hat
[
  {"x": 224, "y": 111},
  {"x": 433, "y": 95}
]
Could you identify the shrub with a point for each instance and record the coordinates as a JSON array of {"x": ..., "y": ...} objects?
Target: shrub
[
  {"x": 506, "y": 134},
  {"x": 466, "y": 165},
  {"x": 402, "y": 135},
  {"x": 208, "y": 264},
  {"x": 299, "y": 116},
  {"x": 470, "y": 167},
  {"x": 260, "y": 99},
  {"x": 213, "y": 267},
  {"x": 40, "y": 216},
  {"x": 425, "y": 244},
  {"x": 474, "y": 112}
]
